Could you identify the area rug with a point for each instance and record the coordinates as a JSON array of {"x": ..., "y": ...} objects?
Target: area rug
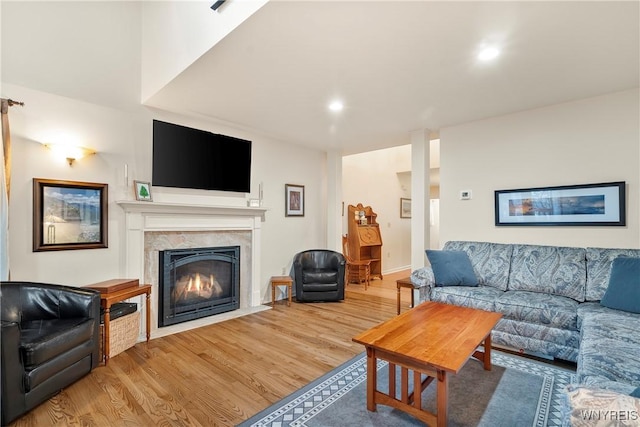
[{"x": 516, "y": 392}]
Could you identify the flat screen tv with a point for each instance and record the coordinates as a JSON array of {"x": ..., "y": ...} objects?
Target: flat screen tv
[{"x": 190, "y": 158}]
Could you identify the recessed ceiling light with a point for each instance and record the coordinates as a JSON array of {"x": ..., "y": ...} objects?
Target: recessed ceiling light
[
  {"x": 336, "y": 106},
  {"x": 488, "y": 53}
]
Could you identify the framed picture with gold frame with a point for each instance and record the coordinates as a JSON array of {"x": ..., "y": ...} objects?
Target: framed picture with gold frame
[{"x": 69, "y": 215}]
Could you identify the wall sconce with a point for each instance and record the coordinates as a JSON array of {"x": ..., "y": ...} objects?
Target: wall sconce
[{"x": 69, "y": 152}]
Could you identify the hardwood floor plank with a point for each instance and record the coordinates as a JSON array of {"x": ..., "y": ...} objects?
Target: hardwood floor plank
[{"x": 222, "y": 374}]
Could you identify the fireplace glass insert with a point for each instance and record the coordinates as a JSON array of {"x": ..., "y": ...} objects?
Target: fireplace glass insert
[{"x": 197, "y": 283}]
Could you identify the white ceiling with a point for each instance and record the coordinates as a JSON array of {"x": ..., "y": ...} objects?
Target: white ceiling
[
  {"x": 398, "y": 66},
  {"x": 402, "y": 66}
]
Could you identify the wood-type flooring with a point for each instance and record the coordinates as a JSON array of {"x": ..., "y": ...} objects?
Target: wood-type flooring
[{"x": 222, "y": 374}]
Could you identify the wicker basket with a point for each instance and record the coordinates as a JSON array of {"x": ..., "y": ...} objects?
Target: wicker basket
[{"x": 123, "y": 333}]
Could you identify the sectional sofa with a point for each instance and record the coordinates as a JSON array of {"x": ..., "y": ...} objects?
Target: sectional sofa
[{"x": 550, "y": 299}]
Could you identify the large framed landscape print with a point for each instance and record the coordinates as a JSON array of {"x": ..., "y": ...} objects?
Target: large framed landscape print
[
  {"x": 69, "y": 215},
  {"x": 587, "y": 204}
]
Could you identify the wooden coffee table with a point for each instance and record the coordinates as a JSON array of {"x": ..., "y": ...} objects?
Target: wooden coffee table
[{"x": 433, "y": 339}]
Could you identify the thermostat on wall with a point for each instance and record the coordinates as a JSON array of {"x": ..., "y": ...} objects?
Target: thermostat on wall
[{"x": 465, "y": 194}]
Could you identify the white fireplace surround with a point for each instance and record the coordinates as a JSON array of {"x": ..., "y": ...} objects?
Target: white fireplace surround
[{"x": 143, "y": 217}]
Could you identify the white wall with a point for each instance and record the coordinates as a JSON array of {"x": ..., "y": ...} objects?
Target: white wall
[
  {"x": 86, "y": 50},
  {"x": 587, "y": 141},
  {"x": 379, "y": 179},
  {"x": 169, "y": 46},
  {"x": 122, "y": 138}
]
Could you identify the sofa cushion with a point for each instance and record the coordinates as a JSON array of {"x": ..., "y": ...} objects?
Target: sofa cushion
[
  {"x": 623, "y": 292},
  {"x": 605, "y": 315},
  {"x": 42, "y": 340},
  {"x": 480, "y": 297},
  {"x": 320, "y": 287},
  {"x": 490, "y": 261},
  {"x": 534, "y": 307},
  {"x": 319, "y": 275},
  {"x": 624, "y": 329},
  {"x": 550, "y": 270},
  {"x": 609, "y": 359},
  {"x": 610, "y": 349},
  {"x": 451, "y": 268},
  {"x": 77, "y": 360},
  {"x": 599, "y": 262}
]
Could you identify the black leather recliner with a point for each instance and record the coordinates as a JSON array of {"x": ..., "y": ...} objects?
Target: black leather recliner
[
  {"x": 50, "y": 339},
  {"x": 319, "y": 275}
]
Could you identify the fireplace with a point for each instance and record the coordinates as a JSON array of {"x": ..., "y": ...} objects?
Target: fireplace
[{"x": 197, "y": 282}]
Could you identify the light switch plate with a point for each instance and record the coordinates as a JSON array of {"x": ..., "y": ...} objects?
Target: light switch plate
[{"x": 465, "y": 194}]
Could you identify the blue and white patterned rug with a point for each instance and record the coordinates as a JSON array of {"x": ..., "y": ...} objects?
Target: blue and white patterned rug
[{"x": 516, "y": 392}]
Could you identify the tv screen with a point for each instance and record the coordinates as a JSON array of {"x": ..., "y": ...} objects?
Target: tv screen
[{"x": 190, "y": 158}]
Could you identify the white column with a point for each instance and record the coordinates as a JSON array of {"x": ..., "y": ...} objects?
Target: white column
[
  {"x": 420, "y": 199},
  {"x": 334, "y": 200}
]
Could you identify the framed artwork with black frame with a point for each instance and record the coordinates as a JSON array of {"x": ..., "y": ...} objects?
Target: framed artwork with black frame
[
  {"x": 69, "y": 215},
  {"x": 293, "y": 200},
  {"x": 587, "y": 204}
]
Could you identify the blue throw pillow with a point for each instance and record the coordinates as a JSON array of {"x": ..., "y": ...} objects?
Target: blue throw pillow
[
  {"x": 623, "y": 292},
  {"x": 452, "y": 268},
  {"x": 636, "y": 393}
]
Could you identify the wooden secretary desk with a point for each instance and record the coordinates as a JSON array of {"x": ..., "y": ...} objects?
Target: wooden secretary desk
[{"x": 365, "y": 241}]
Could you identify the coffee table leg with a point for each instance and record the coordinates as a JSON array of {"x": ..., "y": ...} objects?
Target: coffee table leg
[
  {"x": 404, "y": 385},
  {"x": 372, "y": 379},
  {"x": 487, "y": 353},
  {"x": 392, "y": 380},
  {"x": 417, "y": 390},
  {"x": 442, "y": 398}
]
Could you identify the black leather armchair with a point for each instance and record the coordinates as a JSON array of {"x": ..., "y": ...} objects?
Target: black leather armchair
[
  {"x": 319, "y": 275},
  {"x": 50, "y": 339}
]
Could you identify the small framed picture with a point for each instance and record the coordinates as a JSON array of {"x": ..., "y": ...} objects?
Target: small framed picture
[
  {"x": 294, "y": 200},
  {"x": 405, "y": 208},
  {"x": 143, "y": 190}
]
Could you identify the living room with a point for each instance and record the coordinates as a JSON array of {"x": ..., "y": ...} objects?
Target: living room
[{"x": 591, "y": 137}]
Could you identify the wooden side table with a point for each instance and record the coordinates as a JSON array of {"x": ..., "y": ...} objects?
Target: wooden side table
[
  {"x": 404, "y": 283},
  {"x": 281, "y": 281},
  {"x": 110, "y": 298}
]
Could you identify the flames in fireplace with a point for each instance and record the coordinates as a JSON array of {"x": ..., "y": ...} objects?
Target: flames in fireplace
[{"x": 195, "y": 286}]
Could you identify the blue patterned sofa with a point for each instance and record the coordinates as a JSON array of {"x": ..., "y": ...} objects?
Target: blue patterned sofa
[{"x": 549, "y": 297}]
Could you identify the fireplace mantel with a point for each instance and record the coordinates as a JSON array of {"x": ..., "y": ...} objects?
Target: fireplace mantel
[
  {"x": 160, "y": 217},
  {"x": 182, "y": 208}
]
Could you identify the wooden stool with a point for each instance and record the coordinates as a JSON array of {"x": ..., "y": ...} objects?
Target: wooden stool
[
  {"x": 404, "y": 283},
  {"x": 281, "y": 281}
]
